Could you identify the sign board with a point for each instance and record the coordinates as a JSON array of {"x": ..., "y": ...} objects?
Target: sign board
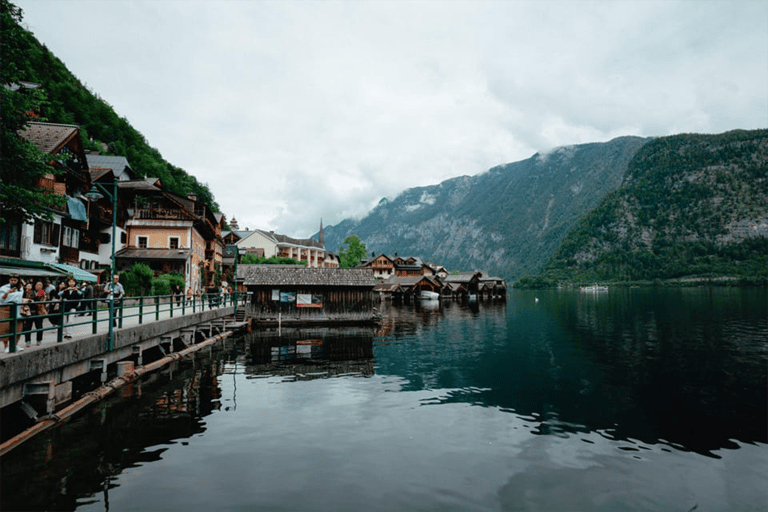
[{"x": 307, "y": 300}]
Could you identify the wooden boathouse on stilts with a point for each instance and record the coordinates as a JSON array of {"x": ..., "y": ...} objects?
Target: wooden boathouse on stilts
[{"x": 291, "y": 294}]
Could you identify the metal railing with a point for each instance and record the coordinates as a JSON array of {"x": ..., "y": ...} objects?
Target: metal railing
[{"x": 95, "y": 314}]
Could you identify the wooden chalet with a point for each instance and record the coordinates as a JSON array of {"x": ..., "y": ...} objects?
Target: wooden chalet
[
  {"x": 405, "y": 288},
  {"x": 299, "y": 294},
  {"x": 492, "y": 288},
  {"x": 463, "y": 285}
]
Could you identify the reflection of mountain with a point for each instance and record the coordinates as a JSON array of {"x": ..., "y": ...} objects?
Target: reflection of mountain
[
  {"x": 311, "y": 353},
  {"x": 79, "y": 457},
  {"x": 685, "y": 366}
]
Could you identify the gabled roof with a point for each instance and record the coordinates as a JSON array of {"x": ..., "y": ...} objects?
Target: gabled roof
[
  {"x": 152, "y": 184},
  {"x": 119, "y": 165},
  {"x": 464, "y": 277},
  {"x": 99, "y": 172},
  {"x": 299, "y": 275},
  {"x": 154, "y": 254},
  {"x": 49, "y": 137}
]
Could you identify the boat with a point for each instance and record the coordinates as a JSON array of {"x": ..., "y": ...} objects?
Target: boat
[
  {"x": 594, "y": 288},
  {"x": 427, "y": 295}
]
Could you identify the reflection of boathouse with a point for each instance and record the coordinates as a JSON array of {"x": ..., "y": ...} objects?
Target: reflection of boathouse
[{"x": 295, "y": 293}]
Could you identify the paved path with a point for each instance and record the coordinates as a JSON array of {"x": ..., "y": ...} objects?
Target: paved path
[{"x": 82, "y": 326}]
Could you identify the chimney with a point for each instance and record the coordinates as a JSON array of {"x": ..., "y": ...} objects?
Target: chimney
[{"x": 192, "y": 196}]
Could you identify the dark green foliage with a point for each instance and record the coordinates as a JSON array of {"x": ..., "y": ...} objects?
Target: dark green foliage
[
  {"x": 71, "y": 102},
  {"x": 163, "y": 284},
  {"x": 252, "y": 259},
  {"x": 21, "y": 164},
  {"x": 138, "y": 280}
]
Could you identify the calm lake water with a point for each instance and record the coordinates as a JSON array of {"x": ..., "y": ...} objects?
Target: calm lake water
[{"x": 635, "y": 399}]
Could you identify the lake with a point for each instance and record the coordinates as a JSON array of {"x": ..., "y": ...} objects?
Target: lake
[{"x": 634, "y": 399}]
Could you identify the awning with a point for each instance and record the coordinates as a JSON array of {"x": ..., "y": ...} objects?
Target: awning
[
  {"x": 76, "y": 272},
  {"x": 23, "y": 272}
]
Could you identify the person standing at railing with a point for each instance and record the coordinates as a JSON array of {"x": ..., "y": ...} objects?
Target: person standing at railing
[
  {"x": 10, "y": 293},
  {"x": 70, "y": 301},
  {"x": 115, "y": 292},
  {"x": 87, "y": 302},
  {"x": 36, "y": 299}
]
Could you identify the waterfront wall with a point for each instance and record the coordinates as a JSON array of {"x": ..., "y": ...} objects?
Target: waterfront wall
[{"x": 61, "y": 362}]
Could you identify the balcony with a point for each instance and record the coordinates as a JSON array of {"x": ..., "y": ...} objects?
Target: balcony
[{"x": 160, "y": 213}]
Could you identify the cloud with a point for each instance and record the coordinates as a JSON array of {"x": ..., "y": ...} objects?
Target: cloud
[{"x": 293, "y": 111}]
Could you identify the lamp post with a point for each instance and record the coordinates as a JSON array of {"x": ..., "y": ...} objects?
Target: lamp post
[{"x": 95, "y": 195}]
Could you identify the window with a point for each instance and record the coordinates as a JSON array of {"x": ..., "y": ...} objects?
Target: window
[
  {"x": 173, "y": 242},
  {"x": 123, "y": 238},
  {"x": 142, "y": 242},
  {"x": 71, "y": 237},
  {"x": 46, "y": 233}
]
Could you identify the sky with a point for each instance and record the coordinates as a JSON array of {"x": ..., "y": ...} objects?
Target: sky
[{"x": 297, "y": 111}]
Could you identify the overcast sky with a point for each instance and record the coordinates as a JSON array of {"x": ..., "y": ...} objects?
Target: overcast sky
[{"x": 296, "y": 111}]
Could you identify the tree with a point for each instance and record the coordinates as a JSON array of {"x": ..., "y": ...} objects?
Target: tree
[
  {"x": 353, "y": 254},
  {"x": 21, "y": 164}
]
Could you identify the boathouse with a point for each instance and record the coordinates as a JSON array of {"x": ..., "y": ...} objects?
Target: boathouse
[{"x": 295, "y": 293}]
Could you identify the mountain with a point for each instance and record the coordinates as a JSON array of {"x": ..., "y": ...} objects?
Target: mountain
[
  {"x": 690, "y": 206},
  {"x": 507, "y": 221}
]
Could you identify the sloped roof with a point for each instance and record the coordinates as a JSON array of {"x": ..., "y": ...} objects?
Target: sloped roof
[
  {"x": 98, "y": 172},
  {"x": 299, "y": 275},
  {"x": 154, "y": 254},
  {"x": 464, "y": 277},
  {"x": 48, "y": 137},
  {"x": 143, "y": 184},
  {"x": 119, "y": 165}
]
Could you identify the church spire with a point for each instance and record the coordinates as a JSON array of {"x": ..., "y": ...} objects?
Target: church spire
[{"x": 320, "y": 237}]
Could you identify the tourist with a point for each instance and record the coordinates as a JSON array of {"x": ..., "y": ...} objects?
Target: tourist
[
  {"x": 38, "y": 310},
  {"x": 55, "y": 307},
  {"x": 176, "y": 291},
  {"x": 115, "y": 293},
  {"x": 70, "y": 301},
  {"x": 49, "y": 286},
  {"x": 10, "y": 293},
  {"x": 87, "y": 303}
]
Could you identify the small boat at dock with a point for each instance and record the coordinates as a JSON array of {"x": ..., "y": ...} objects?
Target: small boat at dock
[{"x": 427, "y": 295}]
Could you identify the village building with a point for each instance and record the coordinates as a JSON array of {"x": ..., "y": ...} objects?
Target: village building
[
  {"x": 57, "y": 241},
  {"x": 462, "y": 285},
  {"x": 170, "y": 233},
  {"x": 406, "y": 288},
  {"x": 269, "y": 244},
  {"x": 295, "y": 293},
  {"x": 382, "y": 265}
]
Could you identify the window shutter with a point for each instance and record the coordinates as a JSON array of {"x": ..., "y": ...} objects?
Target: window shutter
[
  {"x": 55, "y": 236},
  {"x": 38, "y": 236}
]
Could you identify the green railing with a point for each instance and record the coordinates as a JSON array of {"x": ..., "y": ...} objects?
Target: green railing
[{"x": 95, "y": 313}]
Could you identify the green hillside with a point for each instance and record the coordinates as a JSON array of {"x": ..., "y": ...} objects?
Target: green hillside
[
  {"x": 691, "y": 207},
  {"x": 68, "y": 101}
]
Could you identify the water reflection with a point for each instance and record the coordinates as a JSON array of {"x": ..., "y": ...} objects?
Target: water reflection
[
  {"x": 77, "y": 462},
  {"x": 684, "y": 367},
  {"x": 570, "y": 401}
]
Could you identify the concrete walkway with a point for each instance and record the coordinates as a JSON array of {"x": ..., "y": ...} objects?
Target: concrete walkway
[{"x": 82, "y": 326}]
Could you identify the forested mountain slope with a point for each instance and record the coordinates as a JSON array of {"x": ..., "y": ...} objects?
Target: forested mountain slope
[
  {"x": 507, "y": 221},
  {"x": 68, "y": 101},
  {"x": 691, "y": 206}
]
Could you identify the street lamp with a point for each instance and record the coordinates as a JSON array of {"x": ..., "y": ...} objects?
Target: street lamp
[{"x": 95, "y": 195}]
